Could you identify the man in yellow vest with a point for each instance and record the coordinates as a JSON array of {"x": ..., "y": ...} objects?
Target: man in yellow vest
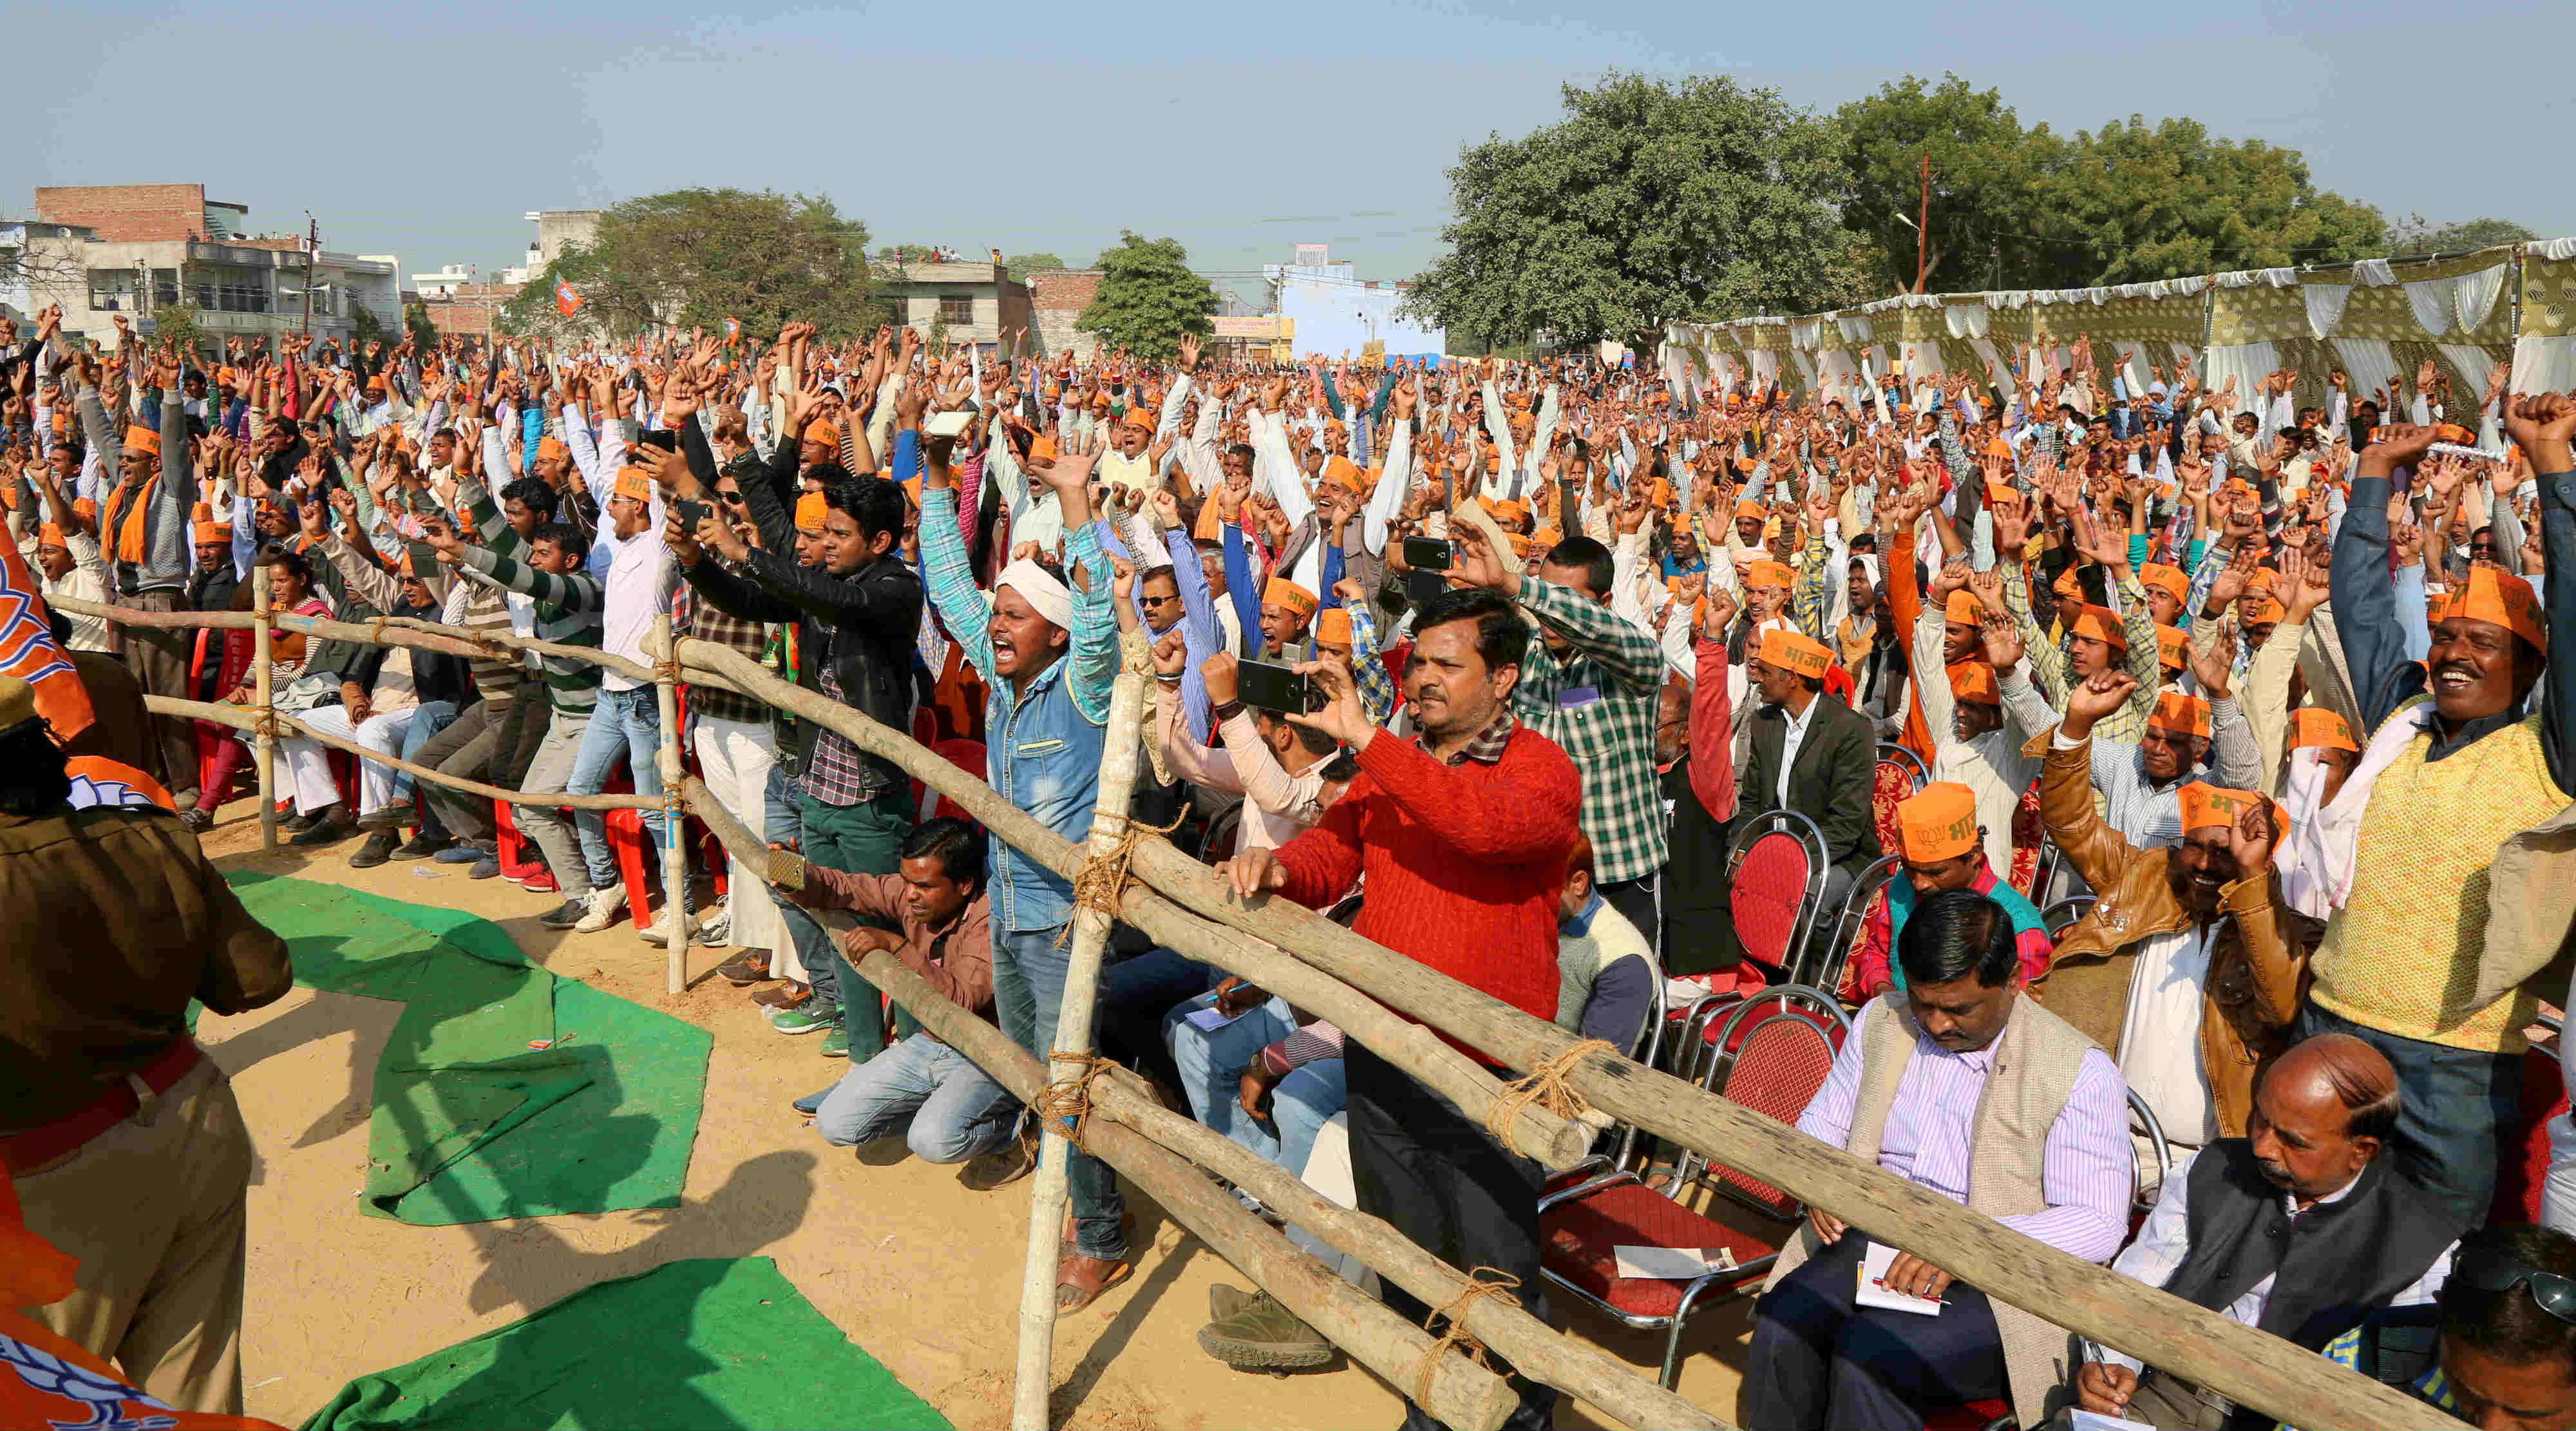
[{"x": 2444, "y": 901}]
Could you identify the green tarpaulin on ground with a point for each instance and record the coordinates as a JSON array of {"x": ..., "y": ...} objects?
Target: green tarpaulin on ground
[
  {"x": 710, "y": 1343},
  {"x": 471, "y": 1123}
]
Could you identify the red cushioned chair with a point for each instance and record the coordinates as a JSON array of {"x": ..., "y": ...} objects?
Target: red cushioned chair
[
  {"x": 1785, "y": 1046},
  {"x": 1776, "y": 888},
  {"x": 2525, "y": 1171},
  {"x": 1834, "y": 967}
]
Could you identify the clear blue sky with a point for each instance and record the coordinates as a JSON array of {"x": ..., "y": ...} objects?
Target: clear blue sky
[{"x": 427, "y": 131}]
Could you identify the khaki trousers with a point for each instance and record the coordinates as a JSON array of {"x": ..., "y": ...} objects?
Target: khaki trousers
[{"x": 155, "y": 1213}]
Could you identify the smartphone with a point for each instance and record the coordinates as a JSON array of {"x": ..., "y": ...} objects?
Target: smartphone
[
  {"x": 1271, "y": 687},
  {"x": 690, "y": 513},
  {"x": 948, "y": 424},
  {"x": 1426, "y": 553},
  {"x": 424, "y": 559},
  {"x": 663, "y": 438}
]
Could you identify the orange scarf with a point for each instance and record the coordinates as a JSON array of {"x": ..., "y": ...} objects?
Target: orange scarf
[{"x": 127, "y": 508}]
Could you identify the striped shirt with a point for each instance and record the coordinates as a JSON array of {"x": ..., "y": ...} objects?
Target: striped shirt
[
  {"x": 1930, "y": 1132},
  {"x": 1598, "y": 702},
  {"x": 486, "y": 612},
  {"x": 568, "y": 612}
]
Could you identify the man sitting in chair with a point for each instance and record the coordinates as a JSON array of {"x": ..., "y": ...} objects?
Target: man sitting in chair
[
  {"x": 1964, "y": 1086},
  {"x": 2306, "y": 1230},
  {"x": 1944, "y": 847}
]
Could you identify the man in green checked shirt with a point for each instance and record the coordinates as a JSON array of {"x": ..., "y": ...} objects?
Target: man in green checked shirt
[{"x": 1591, "y": 684}]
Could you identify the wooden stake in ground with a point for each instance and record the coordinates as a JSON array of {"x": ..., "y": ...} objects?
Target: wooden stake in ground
[
  {"x": 264, "y": 738},
  {"x": 1073, "y": 1036},
  {"x": 675, "y": 818}
]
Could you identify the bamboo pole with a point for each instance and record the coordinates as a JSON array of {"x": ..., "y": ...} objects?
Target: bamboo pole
[
  {"x": 1118, "y": 757},
  {"x": 675, "y": 821},
  {"x": 1536, "y": 1133},
  {"x": 1462, "y": 1394},
  {"x": 2244, "y": 1364},
  {"x": 243, "y": 718},
  {"x": 264, "y": 741},
  {"x": 386, "y": 631}
]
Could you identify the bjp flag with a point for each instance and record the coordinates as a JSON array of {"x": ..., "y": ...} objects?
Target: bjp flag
[
  {"x": 565, "y": 299},
  {"x": 28, "y": 652},
  {"x": 733, "y": 330}
]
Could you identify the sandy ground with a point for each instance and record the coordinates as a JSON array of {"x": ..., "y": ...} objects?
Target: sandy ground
[{"x": 920, "y": 1272}]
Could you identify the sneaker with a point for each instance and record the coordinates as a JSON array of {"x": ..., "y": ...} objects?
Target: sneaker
[
  {"x": 468, "y": 852},
  {"x": 566, "y": 914},
  {"x": 331, "y": 824},
  {"x": 805, "y": 1020},
  {"x": 658, "y": 933},
  {"x": 716, "y": 928},
  {"x": 378, "y": 849},
  {"x": 605, "y": 906},
  {"x": 426, "y": 846},
  {"x": 1225, "y": 1301},
  {"x": 487, "y": 867},
  {"x": 198, "y": 820},
  {"x": 542, "y": 882},
  {"x": 1265, "y": 1336},
  {"x": 784, "y": 996},
  {"x": 836, "y": 1044},
  {"x": 812, "y": 1103},
  {"x": 745, "y": 969},
  {"x": 1001, "y": 1167}
]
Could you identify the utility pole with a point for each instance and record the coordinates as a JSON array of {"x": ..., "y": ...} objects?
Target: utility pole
[
  {"x": 313, "y": 240},
  {"x": 1923, "y": 225}
]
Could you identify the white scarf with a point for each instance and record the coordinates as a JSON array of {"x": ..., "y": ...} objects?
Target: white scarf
[{"x": 2329, "y": 844}]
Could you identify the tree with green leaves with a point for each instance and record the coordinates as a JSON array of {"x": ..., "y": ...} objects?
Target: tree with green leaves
[
  {"x": 177, "y": 323},
  {"x": 2132, "y": 202},
  {"x": 423, "y": 333},
  {"x": 1650, "y": 202},
  {"x": 1148, "y": 298},
  {"x": 2417, "y": 237},
  {"x": 695, "y": 257},
  {"x": 1021, "y": 265},
  {"x": 1984, "y": 188}
]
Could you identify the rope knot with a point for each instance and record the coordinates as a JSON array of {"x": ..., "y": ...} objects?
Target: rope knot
[
  {"x": 1068, "y": 1100},
  {"x": 1484, "y": 1284},
  {"x": 1545, "y": 1089},
  {"x": 1103, "y": 877}
]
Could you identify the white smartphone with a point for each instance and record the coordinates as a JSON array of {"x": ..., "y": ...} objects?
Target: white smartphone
[{"x": 948, "y": 424}]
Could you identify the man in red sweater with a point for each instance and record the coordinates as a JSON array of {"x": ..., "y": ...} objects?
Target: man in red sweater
[{"x": 1463, "y": 833}]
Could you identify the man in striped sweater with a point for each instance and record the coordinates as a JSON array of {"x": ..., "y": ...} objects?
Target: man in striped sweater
[{"x": 547, "y": 568}]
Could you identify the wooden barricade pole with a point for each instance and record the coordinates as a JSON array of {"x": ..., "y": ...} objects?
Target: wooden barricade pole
[
  {"x": 264, "y": 735},
  {"x": 1072, "y": 1047},
  {"x": 675, "y": 814}
]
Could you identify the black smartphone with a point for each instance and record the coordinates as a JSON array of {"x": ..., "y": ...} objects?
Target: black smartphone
[
  {"x": 1426, "y": 553},
  {"x": 424, "y": 559},
  {"x": 663, "y": 438},
  {"x": 1271, "y": 687},
  {"x": 690, "y": 513}
]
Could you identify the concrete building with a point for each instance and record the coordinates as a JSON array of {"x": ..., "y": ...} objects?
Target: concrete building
[
  {"x": 1334, "y": 311},
  {"x": 555, "y": 229},
  {"x": 446, "y": 281},
  {"x": 1056, "y": 299},
  {"x": 973, "y": 302},
  {"x": 39, "y": 264}
]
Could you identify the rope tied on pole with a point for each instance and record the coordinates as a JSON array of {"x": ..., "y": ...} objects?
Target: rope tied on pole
[
  {"x": 1544, "y": 1088},
  {"x": 1068, "y": 1100},
  {"x": 1483, "y": 1284},
  {"x": 1102, "y": 879}
]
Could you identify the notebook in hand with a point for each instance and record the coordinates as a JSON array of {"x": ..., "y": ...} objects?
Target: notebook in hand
[{"x": 1874, "y": 1291}]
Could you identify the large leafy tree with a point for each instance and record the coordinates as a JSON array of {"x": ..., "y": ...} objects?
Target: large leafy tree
[
  {"x": 2132, "y": 202},
  {"x": 1021, "y": 265},
  {"x": 2416, "y": 236},
  {"x": 1148, "y": 298},
  {"x": 1650, "y": 201},
  {"x": 694, "y": 257},
  {"x": 1984, "y": 200}
]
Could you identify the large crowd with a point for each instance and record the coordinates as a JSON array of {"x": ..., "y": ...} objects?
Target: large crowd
[{"x": 2174, "y": 766}]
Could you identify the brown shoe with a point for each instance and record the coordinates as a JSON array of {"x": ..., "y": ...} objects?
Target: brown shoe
[
  {"x": 745, "y": 969},
  {"x": 784, "y": 996}
]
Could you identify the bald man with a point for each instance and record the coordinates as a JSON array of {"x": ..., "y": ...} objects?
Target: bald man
[{"x": 2306, "y": 1229}]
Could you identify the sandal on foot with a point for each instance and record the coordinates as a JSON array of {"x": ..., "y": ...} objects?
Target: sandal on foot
[{"x": 1080, "y": 1280}]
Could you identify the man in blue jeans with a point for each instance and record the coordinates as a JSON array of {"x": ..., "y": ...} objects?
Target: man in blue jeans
[
  {"x": 1049, "y": 655},
  {"x": 639, "y": 579},
  {"x": 948, "y": 1109}
]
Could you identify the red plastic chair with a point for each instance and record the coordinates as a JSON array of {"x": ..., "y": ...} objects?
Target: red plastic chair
[
  {"x": 966, "y": 755},
  {"x": 2525, "y": 1171}
]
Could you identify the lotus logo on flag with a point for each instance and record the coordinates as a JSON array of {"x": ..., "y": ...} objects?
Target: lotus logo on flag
[
  {"x": 733, "y": 330},
  {"x": 565, "y": 299}
]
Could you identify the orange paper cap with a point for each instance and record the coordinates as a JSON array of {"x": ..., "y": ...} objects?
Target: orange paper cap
[
  {"x": 142, "y": 439},
  {"x": 2187, "y": 715},
  {"x": 2156, "y": 576},
  {"x": 824, "y": 431},
  {"x": 1283, "y": 592},
  {"x": 1338, "y": 468},
  {"x": 1974, "y": 681},
  {"x": 2173, "y": 647},
  {"x": 553, "y": 447},
  {"x": 2205, "y": 805},
  {"x": 1767, "y": 573},
  {"x": 2322, "y": 728},
  {"x": 1940, "y": 823},
  {"x": 1749, "y": 509},
  {"x": 2068, "y": 586},
  {"x": 1963, "y": 608},
  {"x": 1138, "y": 417},
  {"x": 202, "y": 512},
  {"x": 50, "y": 535},
  {"x": 220, "y": 533},
  {"x": 2099, "y": 624},
  {"x": 2495, "y": 595},
  {"x": 809, "y": 512},
  {"x": 1791, "y": 651},
  {"x": 2256, "y": 606},
  {"x": 634, "y": 484},
  {"x": 1333, "y": 628}
]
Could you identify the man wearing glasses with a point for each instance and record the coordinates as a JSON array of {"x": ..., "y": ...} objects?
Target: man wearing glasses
[
  {"x": 2509, "y": 1332},
  {"x": 2303, "y": 1229}
]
